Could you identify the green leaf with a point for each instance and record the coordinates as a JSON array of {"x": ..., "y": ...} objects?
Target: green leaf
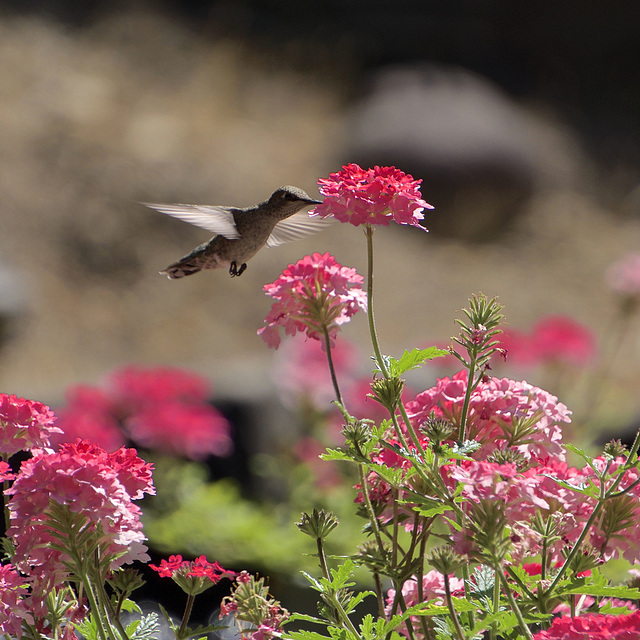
[{"x": 414, "y": 359}]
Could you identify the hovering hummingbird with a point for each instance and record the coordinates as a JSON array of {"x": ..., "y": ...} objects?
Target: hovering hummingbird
[{"x": 242, "y": 232}]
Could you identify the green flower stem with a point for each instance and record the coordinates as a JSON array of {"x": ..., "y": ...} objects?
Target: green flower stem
[
  {"x": 113, "y": 614},
  {"x": 185, "y": 616},
  {"x": 334, "y": 378},
  {"x": 604, "y": 496},
  {"x": 368, "y": 230},
  {"x": 493, "y": 631},
  {"x": 452, "y": 612},
  {"x": 335, "y": 602},
  {"x": 467, "y": 399},
  {"x": 98, "y": 611},
  {"x": 369, "y": 507},
  {"x": 499, "y": 572}
]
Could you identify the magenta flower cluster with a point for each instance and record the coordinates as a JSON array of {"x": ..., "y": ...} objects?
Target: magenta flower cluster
[
  {"x": 371, "y": 196},
  {"x": 314, "y": 295}
]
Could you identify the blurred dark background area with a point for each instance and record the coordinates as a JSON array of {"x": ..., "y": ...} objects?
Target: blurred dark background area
[{"x": 522, "y": 119}]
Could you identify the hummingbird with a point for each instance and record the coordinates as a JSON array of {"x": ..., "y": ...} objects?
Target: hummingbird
[{"x": 242, "y": 232}]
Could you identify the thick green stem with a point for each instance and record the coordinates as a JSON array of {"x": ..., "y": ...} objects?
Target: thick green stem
[
  {"x": 499, "y": 572},
  {"x": 185, "y": 616},
  {"x": 369, "y": 507},
  {"x": 452, "y": 611},
  {"x": 335, "y": 602},
  {"x": 368, "y": 230}
]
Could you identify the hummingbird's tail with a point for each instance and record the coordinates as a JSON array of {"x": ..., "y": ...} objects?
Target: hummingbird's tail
[{"x": 181, "y": 269}]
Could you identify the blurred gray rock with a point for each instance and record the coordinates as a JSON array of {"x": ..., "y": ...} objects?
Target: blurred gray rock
[{"x": 481, "y": 156}]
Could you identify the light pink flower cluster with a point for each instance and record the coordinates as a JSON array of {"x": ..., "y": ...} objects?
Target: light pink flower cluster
[
  {"x": 497, "y": 406},
  {"x": 432, "y": 591},
  {"x": 553, "y": 340},
  {"x": 313, "y": 294},
  {"x": 95, "y": 486},
  {"x": 624, "y": 276},
  {"x": 593, "y": 626},
  {"x": 159, "y": 408},
  {"x": 24, "y": 424},
  {"x": 13, "y": 609},
  {"x": 371, "y": 196}
]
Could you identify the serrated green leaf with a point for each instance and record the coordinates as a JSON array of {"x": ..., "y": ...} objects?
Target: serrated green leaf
[
  {"x": 294, "y": 617},
  {"x": 414, "y": 359},
  {"x": 130, "y": 605}
]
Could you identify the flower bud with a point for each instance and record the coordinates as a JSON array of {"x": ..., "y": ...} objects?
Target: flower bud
[{"x": 318, "y": 525}]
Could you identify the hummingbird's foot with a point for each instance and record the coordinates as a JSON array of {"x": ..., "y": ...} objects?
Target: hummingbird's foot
[{"x": 234, "y": 271}]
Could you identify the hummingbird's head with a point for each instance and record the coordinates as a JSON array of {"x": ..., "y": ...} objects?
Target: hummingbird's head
[{"x": 290, "y": 200}]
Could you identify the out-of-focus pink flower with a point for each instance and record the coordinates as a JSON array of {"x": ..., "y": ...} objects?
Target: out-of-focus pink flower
[
  {"x": 93, "y": 485},
  {"x": 520, "y": 350},
  {"x": 133, "y": 387},
  {"x": 623, "y": 276},
  {"x": 561, "y": 339},
  {"x": 312, "y": 294},
  {"x": 554, "y": 339},
  {"x": 12, "y": 606},
  {"x": 301, "y": 374},
  {"x": 24, "y": 424},
  {"x": 594, "y": 626},
  {"x": 161, "y": 408},
  {"x": 5, "y": 472},
  {"x": 309, "y": 450},
  {"x": 371, "y": 196},
  {"x": 176, "y": 428}
]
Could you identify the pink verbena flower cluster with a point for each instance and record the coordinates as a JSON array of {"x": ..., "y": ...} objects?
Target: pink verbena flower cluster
[
  {"x": 371, "y": 196},
  {"x": 13, "y": 606},
  {"x": 502, "y": 412},
  {"x": 24, "y": 424},
  {"x": 164, "y": 409},
  {"x": 593, "y": 626},
  {"x": 84, "y": 484},
  {"x": 313, "y": 295},
  {"x": 433, "y": 590}
]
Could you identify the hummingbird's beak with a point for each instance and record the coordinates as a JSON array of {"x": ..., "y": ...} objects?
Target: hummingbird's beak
[{"x": 312, "y": 201}]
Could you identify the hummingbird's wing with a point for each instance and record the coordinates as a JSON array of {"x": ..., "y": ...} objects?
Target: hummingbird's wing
[
  {"x": 218, "y": 220},
  {"x": 297, "y": 226}
]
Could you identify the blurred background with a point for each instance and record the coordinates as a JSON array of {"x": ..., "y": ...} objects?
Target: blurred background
[{"x": 522, "y": 119}]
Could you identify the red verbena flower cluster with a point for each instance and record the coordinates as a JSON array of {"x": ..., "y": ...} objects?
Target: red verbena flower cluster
[
  {"x": 371, "y": 196},
  {"x": 313, "y": 295},
  {"x": 200, "y": 567},
  {"x": 594, "y": 626},
  {"x": 164, "y": 409}
]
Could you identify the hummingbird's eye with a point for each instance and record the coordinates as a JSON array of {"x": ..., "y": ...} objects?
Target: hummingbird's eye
[{"x": 290, "y": 196}]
